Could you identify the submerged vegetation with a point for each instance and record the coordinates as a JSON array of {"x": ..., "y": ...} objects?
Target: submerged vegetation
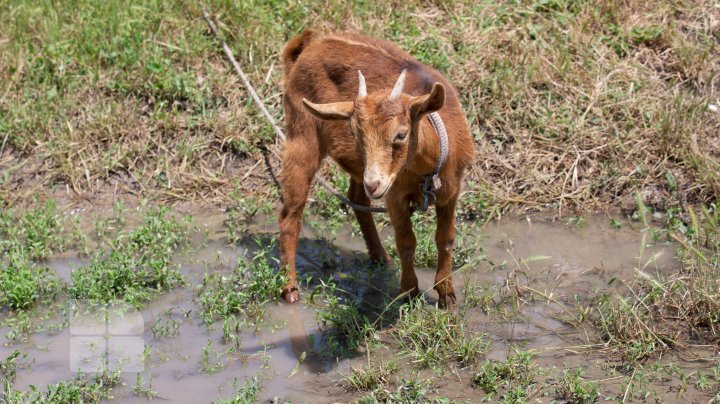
[
  {"x": 514, "y": 374},
  {"x": 574, "y": 105},
  {"x": 26, "y": 238},
  {"x": 137, "y": 267},
  {"x": 662, "y": 311},
  {"x": 246, "y": 290}
]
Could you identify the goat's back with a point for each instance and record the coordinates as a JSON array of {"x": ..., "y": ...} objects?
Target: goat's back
[{"x": 323, "y": 67}]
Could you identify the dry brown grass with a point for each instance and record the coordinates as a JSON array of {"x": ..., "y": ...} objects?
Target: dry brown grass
[
  {"x": 680, "y": 309},
  {"x": 574, "y": 104}
]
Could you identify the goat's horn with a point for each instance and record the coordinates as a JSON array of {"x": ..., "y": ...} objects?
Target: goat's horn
[
  {"x": 362, "y": 89},
  {"x": 397, "y": 90}
]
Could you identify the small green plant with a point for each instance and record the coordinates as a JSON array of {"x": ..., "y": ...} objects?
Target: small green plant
[
  {"x": 138, "y": 266},
  {"x": 23, "y": 284},
  {"x": 8, "y": 367},
  {"x": 344, "y": 328},
  {"x": 517, "y": 371},
  {"x": 647, "y": 35},
  {"x": 144, "y": 391},
  {"x": 37, "y": 232},
  {"x": 245, "y": 290},
  {"x": 476, "y": 295},
  {"x": 167, "y": 325},
  {"x": 431, "y": 336},
  {"x": 576, "y": 390},
  {"x": 209, "y": 365},
  {"x": 24, "y": 238},
  {"x": 577, "y": 221},
  {"x": 79, "y": 390},
  {"x": 406, "y": 391},
  {"x": 370, "y": 378},
  {"x": 247, "y": 393}
]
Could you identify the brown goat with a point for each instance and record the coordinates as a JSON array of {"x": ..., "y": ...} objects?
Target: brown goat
[{"x": 377, "y": 134}]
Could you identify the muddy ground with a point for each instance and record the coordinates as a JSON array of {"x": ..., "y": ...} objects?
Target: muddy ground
[
  {"x": 576, "y": 108},
  {"x": 528, "y": 281}
]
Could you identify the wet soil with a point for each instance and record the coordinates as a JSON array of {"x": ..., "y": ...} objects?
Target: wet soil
[{"x": 538, "y": 273}]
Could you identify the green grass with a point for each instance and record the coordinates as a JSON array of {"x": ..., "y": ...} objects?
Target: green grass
[
  {"x": 659, "y": 309},
  {"x": 246, "y": 290},
  {"x": 247, "y": 393},
  {"x": 407, "y": 391},
  {"x": 575, "y": 389},
  {"x": 513, "y": 375},
  {"x": 79, "y": 390},
  {"x": 138, "y": 266},
  {"x": 26, "y": 237},
  {"x": 370, "y": 378},
  {"x": 432, "y": 337},
  {"x": 23, "y": 284},
  {"x": 37, "y": 229},
  {"x": 345, "y": 329}
]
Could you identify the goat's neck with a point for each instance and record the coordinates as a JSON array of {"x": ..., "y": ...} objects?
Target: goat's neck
[{"x": 428, "y": 149}]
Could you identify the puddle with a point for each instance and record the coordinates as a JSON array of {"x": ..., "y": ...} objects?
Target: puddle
[
  {"x": 555, "y": 263},
  {"x": 567, "y": 264}
]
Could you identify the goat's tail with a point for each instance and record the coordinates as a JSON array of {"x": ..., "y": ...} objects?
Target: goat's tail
[{"x": 295, "y": 46}]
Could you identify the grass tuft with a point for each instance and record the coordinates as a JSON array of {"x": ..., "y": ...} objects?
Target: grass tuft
[
  {"x": 432, "y": 337},
  {"x": 79, "y": 390},
  {"x": 514, "y": 374},
  {"x": 662, "y": 311},
  {"x": 575, "y": 389},
  {"x": 25, "y": 238},
  {"x": 138, "y": 266},
  {"x": 344, "y": 328},
  {"x": 245, "y": 290}
]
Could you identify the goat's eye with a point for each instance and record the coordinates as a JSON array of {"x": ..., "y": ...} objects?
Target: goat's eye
[{"x": 400, "y": 136}]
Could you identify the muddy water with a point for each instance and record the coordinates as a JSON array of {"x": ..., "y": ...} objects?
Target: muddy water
[
  {"x": 547, "y": 268},
  {"x": 549, "y": 265}
]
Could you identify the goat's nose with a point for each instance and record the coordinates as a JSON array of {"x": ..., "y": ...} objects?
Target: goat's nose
[{"x": 371, "y": 186}]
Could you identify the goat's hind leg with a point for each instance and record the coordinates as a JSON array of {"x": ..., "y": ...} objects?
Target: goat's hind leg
[
  {"x": 377, "y": 252},
  {"x": 300, "y": 163}
]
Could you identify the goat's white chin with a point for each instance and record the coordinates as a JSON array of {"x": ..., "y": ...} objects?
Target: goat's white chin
[{"x": 380, "y": 192}]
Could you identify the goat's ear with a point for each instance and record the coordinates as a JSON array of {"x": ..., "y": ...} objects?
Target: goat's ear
[
  {"x": 427, "y": 103},
  {"x": 332, "y": 111}
]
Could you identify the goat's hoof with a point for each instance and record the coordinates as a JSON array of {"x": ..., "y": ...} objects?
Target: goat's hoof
[
  {"x": 410, "y": 295},
  {"x": 448, "y": 301},
  {"x": 383, "y": 260},
  {"x": 291, "y": 294}
]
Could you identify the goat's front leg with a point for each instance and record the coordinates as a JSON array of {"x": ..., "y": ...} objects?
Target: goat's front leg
[
  {"x": 405, "y": 241},
  {"x": 300, "y": 163},
  {"x": 445, "y": 241}
]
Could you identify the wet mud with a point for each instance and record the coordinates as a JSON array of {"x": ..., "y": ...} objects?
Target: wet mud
[{"x": 535, "y": 274}]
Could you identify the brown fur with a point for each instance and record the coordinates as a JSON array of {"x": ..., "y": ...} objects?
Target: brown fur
[{"x": 360, "y": 134}]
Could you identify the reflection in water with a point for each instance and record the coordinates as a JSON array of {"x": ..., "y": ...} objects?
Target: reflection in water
[{"x": 544, "y": 265}]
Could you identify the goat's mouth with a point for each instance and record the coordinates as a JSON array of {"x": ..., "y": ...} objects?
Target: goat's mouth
[{"x": 379, "y": 192}]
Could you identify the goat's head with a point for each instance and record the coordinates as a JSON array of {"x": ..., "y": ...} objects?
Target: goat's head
[{"x": 385, "y": 125}]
